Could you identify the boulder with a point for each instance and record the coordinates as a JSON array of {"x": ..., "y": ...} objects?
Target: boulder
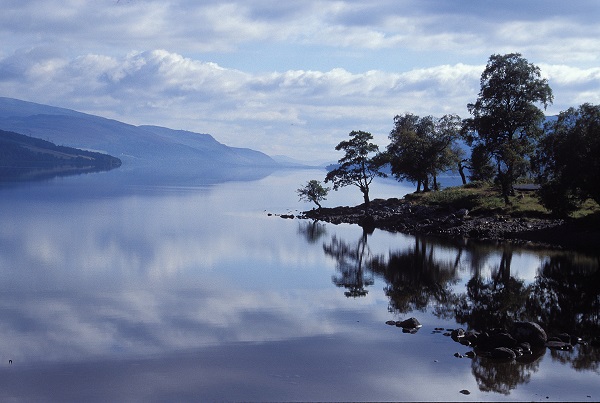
[
  {"x": 503, "y": 353},
  {"x": 529, "y": 332},
  {"x": 411, "y": 323},
  {"x": 501, "y": 340},
  {"x": 558, "y": 345},
  {"x": 457, "y": 334}
]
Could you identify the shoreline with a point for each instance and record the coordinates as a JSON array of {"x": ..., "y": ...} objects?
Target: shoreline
[{"x": 400, "y": 215}]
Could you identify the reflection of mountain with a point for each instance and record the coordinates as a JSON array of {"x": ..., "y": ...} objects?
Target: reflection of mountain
[
  {"x": 24, "y": 158},
  {"x": 163, "y": 152}
]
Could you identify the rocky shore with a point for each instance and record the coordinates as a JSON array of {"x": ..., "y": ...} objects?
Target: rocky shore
[{"x": 400, "y": 215}]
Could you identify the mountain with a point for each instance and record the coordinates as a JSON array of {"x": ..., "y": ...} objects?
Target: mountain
[
  {"x": 153, "y": 149},
  {"x": 27, "y": 158}
]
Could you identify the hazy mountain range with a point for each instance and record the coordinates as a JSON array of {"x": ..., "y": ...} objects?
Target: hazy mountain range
[
  {"x": 150, "y": 147},
  {"x": 149, "y": 154}
]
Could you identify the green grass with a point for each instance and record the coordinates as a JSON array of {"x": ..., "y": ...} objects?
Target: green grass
[{"x": 480, "y": 198}]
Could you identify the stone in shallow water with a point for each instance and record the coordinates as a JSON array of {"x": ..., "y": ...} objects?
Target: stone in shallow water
[
  {"x": 503, "y": 353},
  {"x": 559, "y": 345},
  {"x": 411, "y": 323},
  {"x": 529, "y": 332},
  {"x": 465, "y": 392}
]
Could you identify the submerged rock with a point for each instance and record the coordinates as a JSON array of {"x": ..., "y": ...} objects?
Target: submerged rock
[
  {"x": 411, "y": 323},
  {"x": 503, "y": 353},
  {"x": 529, "y": 332}
]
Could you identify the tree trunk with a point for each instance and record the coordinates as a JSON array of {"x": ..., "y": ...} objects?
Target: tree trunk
[
  {"x": 461, "y": 171},
  {"x": 426, "y": 185}
]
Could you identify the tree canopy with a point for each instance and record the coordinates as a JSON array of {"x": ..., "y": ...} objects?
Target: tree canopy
[
  {"x": 506, "y": 122},
  {"x": 313, "y": 192},
  {"x": 360, "y": 164},
  {"x": 567, "y": 159},
  {"x": 422, "y": 147}
]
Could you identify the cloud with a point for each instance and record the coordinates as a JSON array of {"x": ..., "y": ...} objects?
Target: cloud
[
  {"x": 289, "y": 77},
  {"x": 304, "y": 110}
]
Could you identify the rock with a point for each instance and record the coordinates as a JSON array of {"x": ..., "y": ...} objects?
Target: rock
[
  {"x": 465, "y": 392},
  {"x": 559, "y": 345},
  {"x": 526, "y": 347},
  {"x": 470, "y": 354},
  {"x": 501, "y": 340},
  {"x": 411, "y": 323},
  {"x": 458, "y": 355},
  {"x": 368, "y": 222},
  {"x": 463, "y": 212},
  {"x": 472, "y": 336},
  {"x": 565, "y": 337},
  {"x": 529, "y": 332},
  {"x": 391, "y": 322},
  {"x": 457, "y": 334},
  {"x": 503, "y": 353}
]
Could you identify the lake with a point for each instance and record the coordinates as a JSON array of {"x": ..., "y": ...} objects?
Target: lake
[{"x": 120, "y": 290}]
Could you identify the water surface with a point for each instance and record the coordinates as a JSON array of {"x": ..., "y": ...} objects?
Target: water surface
[{"x": 129, "y": 291}]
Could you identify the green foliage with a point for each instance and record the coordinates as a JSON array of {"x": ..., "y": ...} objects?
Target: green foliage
[
  {"x": 358, "y": 166},
  {"x": 568, "y": 162},
  {"x": 506, "y": 122},
  {"x": 422, "y": 147},
  {"x": 313, "y": 192}
]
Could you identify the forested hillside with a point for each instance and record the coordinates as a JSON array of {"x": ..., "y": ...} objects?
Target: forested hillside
[{"x": 24, "y": 157}]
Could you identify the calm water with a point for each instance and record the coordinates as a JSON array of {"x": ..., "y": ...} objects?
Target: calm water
[{"x": 135, "y": 292}]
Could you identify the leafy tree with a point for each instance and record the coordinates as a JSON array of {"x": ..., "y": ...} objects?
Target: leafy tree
[
  {"x": 357, "y": 167},
  {"x": 422, "y": 147},
  {"x": 480, "y": 164},
  {"x": 506, "y": 122},
  {"x": 314, "y": 192},
  {"x": 568, "y": 164}
]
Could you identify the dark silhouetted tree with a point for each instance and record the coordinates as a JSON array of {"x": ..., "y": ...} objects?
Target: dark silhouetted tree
[
  {"x": 360, "y": 164},
  {"x": 314, "y": 192},
  {"x": 506, "y": 123},
  {"x": 568, "y": 160},
  {"x": 422, "y": 147}
]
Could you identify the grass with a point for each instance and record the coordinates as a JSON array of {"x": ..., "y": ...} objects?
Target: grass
[{"x": 481, "y": 198}]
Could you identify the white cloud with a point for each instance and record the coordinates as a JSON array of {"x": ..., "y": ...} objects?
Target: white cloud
[
  {"x": 285, "y": 76},
  {"x": 309, "y": 110}
]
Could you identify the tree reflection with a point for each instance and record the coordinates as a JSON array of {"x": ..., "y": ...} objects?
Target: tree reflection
[
  {"x": 566, "y": 297},
  {"x": 353, "y": 265},
  {"x": 415, "y": 278},
  {"x": 502, "y": 377},
  {"x": 494, "y": 302},
  {"x": 312, "y": 230}
]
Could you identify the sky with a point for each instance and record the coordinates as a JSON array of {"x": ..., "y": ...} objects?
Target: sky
[{"x": 287, "y": 77}]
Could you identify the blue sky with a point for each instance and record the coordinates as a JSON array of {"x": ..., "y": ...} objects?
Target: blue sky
[{"x": 287, "y": 77}]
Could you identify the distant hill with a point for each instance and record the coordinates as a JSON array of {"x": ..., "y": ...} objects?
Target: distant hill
[
  {"x": 27, "y": 158},
  {"x": 150, "y": 148}
]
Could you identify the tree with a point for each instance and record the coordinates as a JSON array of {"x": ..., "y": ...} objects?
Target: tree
[
  {"x": 357, "y": 167},
  {"x": 421, "y": 148},
  {"x": 506, "y": 122},
  {"x": 567, "y": 161},
  {"x": 314, "y": 192}
]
